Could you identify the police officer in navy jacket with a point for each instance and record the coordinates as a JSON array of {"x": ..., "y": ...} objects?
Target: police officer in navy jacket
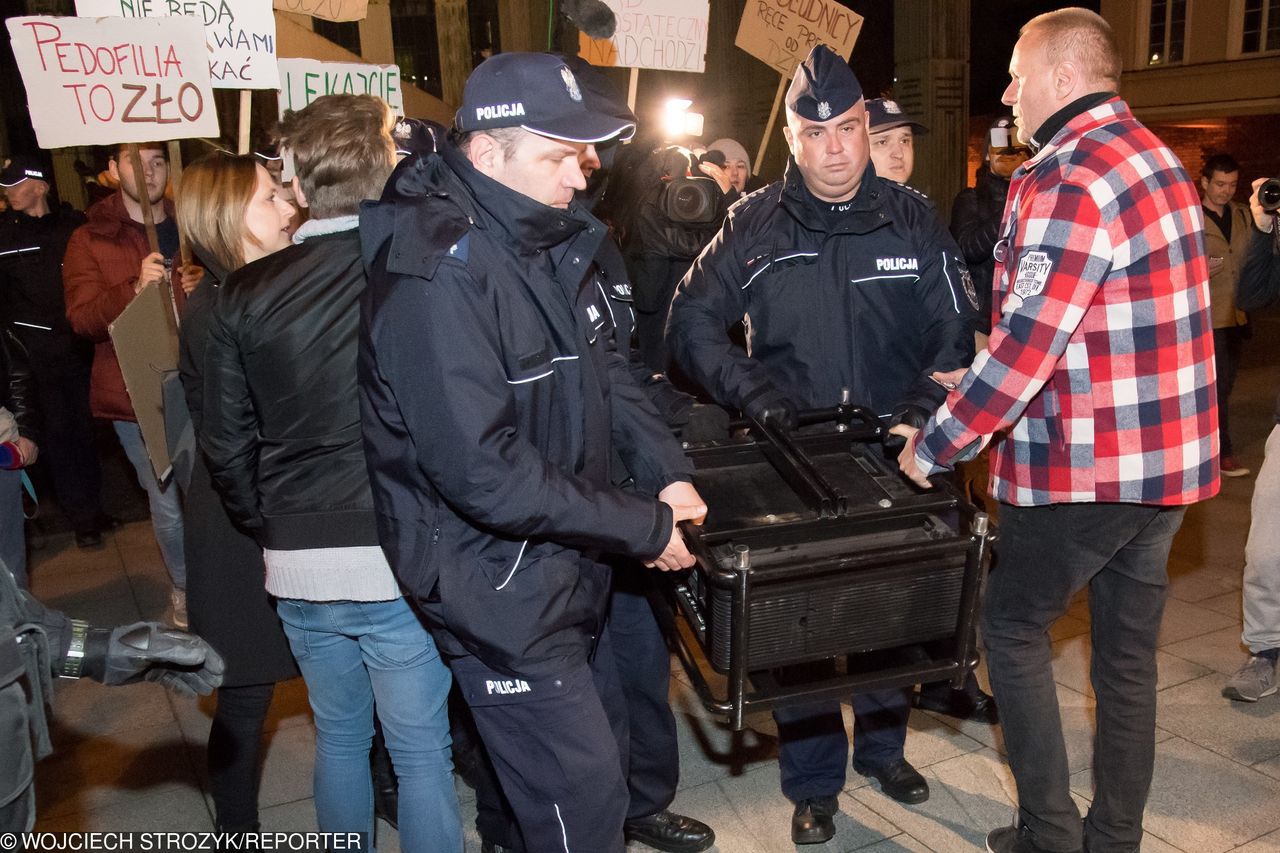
[
  {"x": 492, "y": 399},
  {"x": 849, "y": 281}
]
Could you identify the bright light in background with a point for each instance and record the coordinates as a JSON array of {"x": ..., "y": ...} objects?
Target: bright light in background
[{"x": 678, "y": 122}]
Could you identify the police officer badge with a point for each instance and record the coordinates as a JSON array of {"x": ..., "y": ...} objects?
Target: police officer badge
[
  {"x": 570, "y": 83},
  {"x": 824, "y": 110}
]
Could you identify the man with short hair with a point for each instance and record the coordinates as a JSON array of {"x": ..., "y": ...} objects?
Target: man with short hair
[
  {"x": 33, "y": 239},
  {"x": 280, "y": 427},
  {"x": 493, "y": 399},
  {"x": 1228, "y": 227},
  {"x": 849, "y": 281},
  {"x": 1098, "y": 385},
  {"x": 893, "y": 135},
  {"x": 108, "y": 262}
]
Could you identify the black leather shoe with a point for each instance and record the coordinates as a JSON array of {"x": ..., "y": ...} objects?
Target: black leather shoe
[
  {"x": 960, "y": 705},
  {"x": 898, "y": 780},
  {"x": 812, "y": 821},
  {"x": 670, "y": 832}
]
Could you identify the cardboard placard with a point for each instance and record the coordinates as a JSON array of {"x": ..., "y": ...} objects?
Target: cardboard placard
[
  {"x": 329, "y": 10},
  {"x": 100, "y": 81},
  {"x": 240, "y": 34},
  {"x": 781, "y": 33},
  {"x": 146, "y": 345},
  {"x": 670, "y": 35},
  {"x": 304, "y": 80}
]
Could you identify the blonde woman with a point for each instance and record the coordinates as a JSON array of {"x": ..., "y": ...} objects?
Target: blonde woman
[{"x": 230, "y": 210}]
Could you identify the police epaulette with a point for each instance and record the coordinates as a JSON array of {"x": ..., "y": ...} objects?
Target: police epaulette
[
  {"x": 909, "y": 190},
  {"x": 751, "y": 198}
]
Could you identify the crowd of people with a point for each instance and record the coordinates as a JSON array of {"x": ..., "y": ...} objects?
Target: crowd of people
[{"x": 437, "y": 378}]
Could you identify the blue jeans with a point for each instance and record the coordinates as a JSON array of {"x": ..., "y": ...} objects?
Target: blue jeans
[
  {"x": 1120, "y": 552},
  {"x": 351, "y": 653},
  {"x": 166, "y": 505}
]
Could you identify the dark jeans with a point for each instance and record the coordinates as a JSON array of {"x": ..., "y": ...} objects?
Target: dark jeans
[
  {"x": 60, "y": 366},
  {"x": 813, "y": 749},
  {"x": 1047, "y": 554},
  {"x": 1227, "y": 343},
  {"x": 235, "y": 746}
]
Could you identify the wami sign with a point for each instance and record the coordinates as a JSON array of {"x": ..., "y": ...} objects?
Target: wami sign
[
  {"x": 240, "y": 34},
  {"x": 108, "y": 80}
]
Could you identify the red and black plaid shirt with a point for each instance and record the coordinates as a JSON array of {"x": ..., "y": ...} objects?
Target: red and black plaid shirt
[{"x": 1098, "y": 381}]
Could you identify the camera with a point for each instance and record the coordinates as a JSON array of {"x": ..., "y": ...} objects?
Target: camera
[
  {"x": 693, "y": 201},
  {"x": 1269, "y": 195}
]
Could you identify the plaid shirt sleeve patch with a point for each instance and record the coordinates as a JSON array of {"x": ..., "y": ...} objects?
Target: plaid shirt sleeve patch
[{"x": 1098, "y": 378}]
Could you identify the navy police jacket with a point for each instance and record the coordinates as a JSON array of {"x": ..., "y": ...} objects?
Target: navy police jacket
[
  {"x": 874, "y": 301},
  {"x": 492, "y": 400}
]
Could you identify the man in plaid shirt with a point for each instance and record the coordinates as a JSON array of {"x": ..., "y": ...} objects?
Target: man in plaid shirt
[{"x": 1098, "y": 385}]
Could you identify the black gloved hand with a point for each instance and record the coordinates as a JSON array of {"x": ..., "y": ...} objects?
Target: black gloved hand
[
  {"x": 707, "y": 422},
  {"x": 149, "y": 651},
  {"x": 770, "y": 406},
  {"x": 909, "y": 414}
]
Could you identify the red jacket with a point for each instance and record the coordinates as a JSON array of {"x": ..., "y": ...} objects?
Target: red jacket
[{"x": 102, "y": 263}]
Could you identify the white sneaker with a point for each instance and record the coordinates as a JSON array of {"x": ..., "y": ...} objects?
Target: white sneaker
[
  {"x": 178, "y": 609},
  {"x": 1255, "y": 680}
]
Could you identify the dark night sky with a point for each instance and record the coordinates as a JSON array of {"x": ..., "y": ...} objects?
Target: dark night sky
[{"x": 993, "y": 30}]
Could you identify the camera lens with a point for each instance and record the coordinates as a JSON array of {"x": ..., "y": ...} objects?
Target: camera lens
[{"x": 1269, "y": 195}]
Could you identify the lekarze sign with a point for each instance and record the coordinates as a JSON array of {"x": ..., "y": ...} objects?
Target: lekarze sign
[
  {"x": 241, "y": 34},
  {"x": 304, "y": 80},
  {"x": 782, "y": 32},
  {"x": 329, "y": 10},
  {"x": 665, "y": 34},
  {"x": 107, "y": 80}
]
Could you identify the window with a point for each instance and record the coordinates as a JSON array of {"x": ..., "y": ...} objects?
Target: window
[
  {"x": 1167, "y": 31},
  {"x": 344, "y": 34},
  {"x": 1261, "y": 31}
]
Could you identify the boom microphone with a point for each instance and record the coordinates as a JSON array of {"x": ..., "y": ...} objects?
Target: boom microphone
[{"x": 591, "y": 16}]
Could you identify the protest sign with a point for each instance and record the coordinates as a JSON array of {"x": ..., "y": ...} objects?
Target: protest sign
[
  {"x": 329, "y": 10},
  {"x": 240, "y": 34},
  {"x": 107, "y": 80},
  {"x": 781, "y": 33},
  {"x": 670, "y": 35},
  {"x": 146, "y": 344},
  {"x": 304, "y": 80}
]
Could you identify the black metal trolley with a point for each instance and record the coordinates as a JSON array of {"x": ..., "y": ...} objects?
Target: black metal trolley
[{"x": 816, "y": 549}]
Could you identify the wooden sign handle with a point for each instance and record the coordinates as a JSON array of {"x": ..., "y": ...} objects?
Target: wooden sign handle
[
  {"x": 768, "y": 128},
  {"x": 144, "y": 197},
  {"x": 149, "y": 225},
  {"x": 246, "y": 112},
  {"x": 632, "y": 86}
]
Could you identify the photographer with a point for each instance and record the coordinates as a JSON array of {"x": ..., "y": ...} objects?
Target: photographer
[
  {"x": 1260, "y": 286},
  {"x": 677, "y": 214}
]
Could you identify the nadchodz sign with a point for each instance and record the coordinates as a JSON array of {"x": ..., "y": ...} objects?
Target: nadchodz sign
[
  {"x": 101, "y": 81},
  {"x": 240, "y": 34},
  {"x": 670, "y": 35},
  {"x": 781, "y": 33}
]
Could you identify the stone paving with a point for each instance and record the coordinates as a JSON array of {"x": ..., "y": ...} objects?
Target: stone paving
[{"x": 132, "y": 758}]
